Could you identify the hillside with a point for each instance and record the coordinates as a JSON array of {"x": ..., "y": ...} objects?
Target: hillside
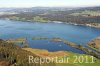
[
  {"x": 12, "y": 55},
  {"x": 62, "y": 54},
  {"x": 95, "y": 44}
]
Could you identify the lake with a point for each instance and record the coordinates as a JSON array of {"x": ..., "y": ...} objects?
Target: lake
[{"x": 77, "y": 34}]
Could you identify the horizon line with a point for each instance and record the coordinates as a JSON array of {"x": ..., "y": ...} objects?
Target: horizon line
[{"x": 54, "y": 6}]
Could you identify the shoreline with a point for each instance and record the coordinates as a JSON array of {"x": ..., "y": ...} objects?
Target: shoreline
[
  {"x": 74, "y": 45},
  {"x": 94, "y": 25}
]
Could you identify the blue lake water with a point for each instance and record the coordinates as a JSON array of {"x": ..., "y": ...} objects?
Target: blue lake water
[{"x": 77, "y": 34}]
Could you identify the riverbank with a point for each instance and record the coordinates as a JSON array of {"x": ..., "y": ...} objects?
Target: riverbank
[{"x": 95, "y": 25}]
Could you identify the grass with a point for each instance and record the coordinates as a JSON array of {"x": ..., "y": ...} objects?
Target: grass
[
  {"x": 63, "y": 54},
  {"x": 95, "y": 44},
  {"x": 11, "y": 54},
  {"x": 18, "y": 40}
]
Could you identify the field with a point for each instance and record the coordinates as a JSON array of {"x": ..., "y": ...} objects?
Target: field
[{"x": 63, "y": 54}]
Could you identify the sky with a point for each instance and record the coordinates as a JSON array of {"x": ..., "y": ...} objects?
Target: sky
[{"x": 49, "y": 3}]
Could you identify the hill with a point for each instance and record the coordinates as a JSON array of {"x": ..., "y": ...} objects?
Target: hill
[
  {"x": 83, "y": 16},
  {"x": 12, "y": 55},
  {"x": 95, "y": 44}
]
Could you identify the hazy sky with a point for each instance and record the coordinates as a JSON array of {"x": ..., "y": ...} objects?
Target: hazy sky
[{"x": 48, "y": 3}]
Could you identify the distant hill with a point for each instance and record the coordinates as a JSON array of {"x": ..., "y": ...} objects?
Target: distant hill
[
  {"x": 33, "y": 9},
  {"x": 80, "y": 15}
]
